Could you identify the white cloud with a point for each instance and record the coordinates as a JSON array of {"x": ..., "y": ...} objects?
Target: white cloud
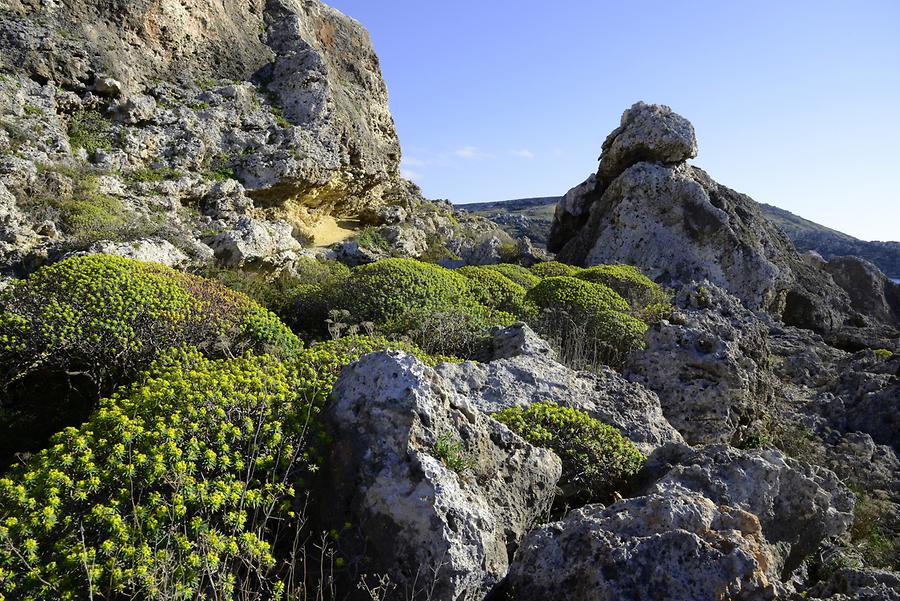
[
  {"x": 411, "y": 175},
  {"x": 524, "y": 153},
  {"x": 412, "y": 162},
  {"x": 467, "y": 152}
]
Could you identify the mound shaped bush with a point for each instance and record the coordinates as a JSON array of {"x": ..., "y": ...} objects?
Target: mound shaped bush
[
  {"x": 639, "y": 290},
  {"x": 493, "y": 289},
  {"x": 73, "y": 331},
  {"x": 385, "y": 291},
  {"x": 597, "y": 460},
  {"x": 575, "y": 296},
  {"x": 549, "y": 269},
  {"x": 518, "y": 274},
  {"x": 433, "y": 306}
]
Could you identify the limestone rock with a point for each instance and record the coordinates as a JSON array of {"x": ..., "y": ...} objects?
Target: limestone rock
[
  {"x": 798, "y": 505},
  {"x": 647, "y": 133},
  {"x": 647, "y": 207},
  {"x": 870, "y": 291},
  {"x": 858, "y": 584},
  {"x": 709, "y": 364},
  {"x": 146, "y": 249},
  {"x": 674, "y": 545},
  {"x": 529, "y": 374},
  {"x": 412, "y": 514},
  {"x": 255, "y": 243}
]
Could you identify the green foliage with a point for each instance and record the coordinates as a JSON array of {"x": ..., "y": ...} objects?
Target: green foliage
[
  {"x": 387, "y": 291},
  {"x": 370, "y": 237},
  {"x": 437, "y": 250},
  {"x": 95, "y": 321},
  {"x": 518, "y": 274},
  {"x": 280, "y": 119},
  {"x": 450, "y": 452},
  {"x": 576, "y": 296},
  {"x": 152, "y": 176},
  {"x": 182, "y": 486},
  {"x": 587, "y": 323},
  {"x": 32, "y": 111},
  {"x": 551, "y": 269},
  {"x": 597, "y": 460},
  {"x": 875, "y": 532},
  {"x": 493, "y": 289},
  {"x": 883, "y": 353},
  {"x": 89, "y": 129},
  {"x": 640, "y": 291}
]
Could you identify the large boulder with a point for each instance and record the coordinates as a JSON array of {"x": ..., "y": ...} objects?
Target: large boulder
[
  {"x": 871, "y": 292},
  {"x": 254, "y": 243},
  {"x": 798, "y": 505},
  {"x": 525, "y": 371},
  {"x": 438, "y": 495},
  {"x": 648, "y": 207},
  {"x": 673, "y": 545},
  {"x": 709, "y": 364}
]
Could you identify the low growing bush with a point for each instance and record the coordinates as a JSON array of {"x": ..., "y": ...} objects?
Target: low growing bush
[
  {"x": 518, "y": 274},
  {"x": 551, "y": 269},
  {"x": 493, "y": 289},
  {"x": 639, "y": 290},
  {"x": 181, "y": 486},
  {"x": 597, "y": 460},
  {"x": 575, "y": 296},
  {"x": 73, "y": 331}
]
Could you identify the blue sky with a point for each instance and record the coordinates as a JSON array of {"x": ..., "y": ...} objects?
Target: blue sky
[{"x": 796, "y": 103}]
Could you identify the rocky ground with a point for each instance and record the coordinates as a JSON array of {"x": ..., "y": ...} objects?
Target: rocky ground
[{"x": 766, "y": 399}]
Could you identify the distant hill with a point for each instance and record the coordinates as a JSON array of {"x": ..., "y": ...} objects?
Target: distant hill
[{"x": 532, "y": 217}]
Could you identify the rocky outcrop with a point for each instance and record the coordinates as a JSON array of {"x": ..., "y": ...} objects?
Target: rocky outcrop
[
  {"x": 339, "y": 145},
  {"x": 438, "y": 494},
  {"x": 798, "y": 505},
  {"x": 709, "y": 364},
  {"x": 179, "y": 120},
  {"x": 870, "y": 291},
  {"x": 647, "y": 207},
  {"x": 525, "y": 371},
  {"x": 674, "y": 545}
]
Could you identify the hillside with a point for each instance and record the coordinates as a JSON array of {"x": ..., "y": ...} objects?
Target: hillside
[{"x": 533, "y": 217}]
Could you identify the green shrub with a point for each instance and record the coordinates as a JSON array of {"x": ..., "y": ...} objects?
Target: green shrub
[
  {"x": 75, "y": 330},
  {"x": 597, "y": 460},
  {"x": 455, "y": 331},
  {"x": 575, "y": 296},
  {"x": 386, "y": 291},
  {"x": 350, "y": 348},
  {"x": 181, "y": 486},
  {"x": 518, "y": 274},
  {"x": 371, "y": 237},
  {"x": 88, "y": 129},
  {"x": 639, "y": 290},
  {"x": 551, "y": 269},
  {"x": 493, "y": 289},
  {"x": 450, "y": 452},
  {"x": 883, "y": 353}
]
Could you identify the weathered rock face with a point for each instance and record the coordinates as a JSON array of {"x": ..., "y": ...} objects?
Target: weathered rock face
[
  {"x": 171, "y": 104},
  {"x": 414, "y": 519},
  {"x": 524, "y": 371},
  {"x": 647, "y": 207},
  {"x": 870, "y": 291},
  {"x": 674, "y": 545},
  {"x": 868, "y": 397},
  {"x": 709, "y": 364},
  {"x": 798, "y": 505}
]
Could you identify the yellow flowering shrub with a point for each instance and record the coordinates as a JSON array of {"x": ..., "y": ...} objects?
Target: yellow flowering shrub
[
  {"x": 73, "y": 331},
  {"x": 518, "y": 274},
  {"x": 179, "y": 486}
]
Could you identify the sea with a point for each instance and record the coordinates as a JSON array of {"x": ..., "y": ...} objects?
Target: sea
[{"x": 896, "y": 280}]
